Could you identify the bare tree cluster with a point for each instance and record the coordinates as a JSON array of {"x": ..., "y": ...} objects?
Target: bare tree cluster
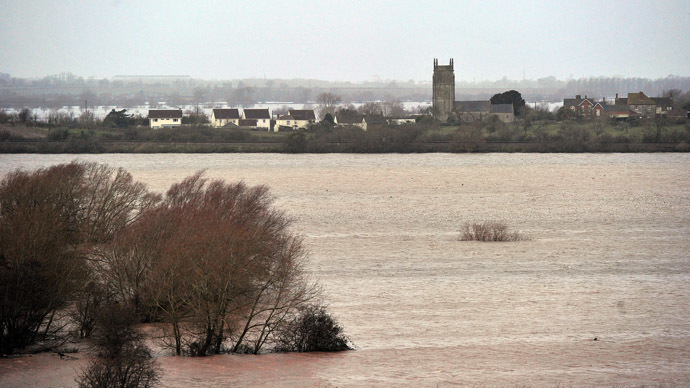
[
  {"x": 49, "y": 220},
  {"x": 216, "y": 262}
]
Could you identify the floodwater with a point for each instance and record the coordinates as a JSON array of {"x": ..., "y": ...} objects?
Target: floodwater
[{"x": 607, "y": 256}]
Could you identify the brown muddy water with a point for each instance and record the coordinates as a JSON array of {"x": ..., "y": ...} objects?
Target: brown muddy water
[{"x": 608, "y": 256}]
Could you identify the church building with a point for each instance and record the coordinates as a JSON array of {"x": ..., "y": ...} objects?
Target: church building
[{"x": 444, "y": 103}]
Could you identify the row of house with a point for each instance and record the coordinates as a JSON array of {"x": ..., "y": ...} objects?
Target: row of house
[
  {"x": 365, "y": 122},
  {"x": 252, "y": 118},
  {"x": 261, "y": 119},
  {"x": 634, "y": 105}
]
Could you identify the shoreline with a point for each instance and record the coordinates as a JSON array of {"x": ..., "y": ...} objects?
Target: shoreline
[{"x": 147, "y": 147}]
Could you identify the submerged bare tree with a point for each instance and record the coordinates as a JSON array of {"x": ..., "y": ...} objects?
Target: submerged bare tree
[
  {"x": 244, "y": 265},
  {"x": 50, "y": 219},
  {"x": 488, "y": 231},
  {"x": 122, "y": 358},
  {"x": 215, "y": 261}
]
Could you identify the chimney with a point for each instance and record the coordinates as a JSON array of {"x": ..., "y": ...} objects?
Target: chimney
[
  {"x": 616, "y": 96},
  {"x": 577, "y": 96}
]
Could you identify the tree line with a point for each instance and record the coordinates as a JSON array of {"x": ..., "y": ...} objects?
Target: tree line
[{"x": 71, "y": 90}]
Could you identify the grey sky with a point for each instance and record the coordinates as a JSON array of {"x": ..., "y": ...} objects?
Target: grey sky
[{"x": 346, "y": 40}]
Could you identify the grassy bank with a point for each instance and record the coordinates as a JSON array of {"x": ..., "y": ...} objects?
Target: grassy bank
[{"x": 424, "y": 136}]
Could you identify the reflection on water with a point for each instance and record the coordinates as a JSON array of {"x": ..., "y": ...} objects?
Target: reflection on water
[{"x": 607, "y": 257}]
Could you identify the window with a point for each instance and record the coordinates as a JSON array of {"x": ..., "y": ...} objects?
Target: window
[
  {"x": 155, "y": 120},
  {"x": 174, "y": 120}
]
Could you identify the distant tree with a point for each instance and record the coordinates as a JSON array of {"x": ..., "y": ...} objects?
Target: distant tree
[
  {"x": 510, "y": 97},
  {"x": 118, "y": 119},
  {"x": 4, "y": 116},
  {"x": 328, "y": 118},
  {"x": 327, "y": 103},
  {"x": 348, "y": 113},
  {"x": 199, "y": 95},
  {"x": 565, "y": 113},
  {"x": 24, "y": 115},
  {"x": 242, "y": 96},
  {"x": 393, "y": 109},
  {"x": 195, "y": 118},
  {"x": 370, "y": 109}
]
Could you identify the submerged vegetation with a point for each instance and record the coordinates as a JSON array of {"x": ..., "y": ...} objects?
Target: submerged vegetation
[
  {"x": 86, "y": 251},
  {"x": 488, "y": 231}
]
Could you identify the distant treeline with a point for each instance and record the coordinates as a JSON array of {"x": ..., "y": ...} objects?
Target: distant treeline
[{"x": 70, "y": 90}]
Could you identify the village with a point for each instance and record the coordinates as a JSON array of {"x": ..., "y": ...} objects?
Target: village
[
  {"x": 329, "y": 122},
  {"x": 444, "y": 109}
]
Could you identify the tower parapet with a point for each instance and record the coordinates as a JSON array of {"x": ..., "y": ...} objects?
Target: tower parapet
[{"x": 444, "y": 89}]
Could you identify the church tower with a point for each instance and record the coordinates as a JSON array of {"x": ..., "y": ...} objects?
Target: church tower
[{"x": 444, "y": 90}]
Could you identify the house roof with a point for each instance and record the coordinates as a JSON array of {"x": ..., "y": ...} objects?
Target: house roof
[
  {"x": 247, "y": 123},
  {"x": 349, "y": 119},
  {"x": 616, "y": 108},
  {"x": 639, "y": 99},
  {"x": 286, "y": 117},
  {"x": 376, "y": 120},
  {"x": 302, "y": 114},
  {"x": 472, "y": 106},
  {"x": 663, "y": 101},
  {"x": 165, "y": 113},
  {"x": 256, "y": 114},
  {"x": 621, "y": 101},
  {"x": 502, "y": 108},
  {"x": 226, "y": 113},
  {"x": 577, "y": 101}
]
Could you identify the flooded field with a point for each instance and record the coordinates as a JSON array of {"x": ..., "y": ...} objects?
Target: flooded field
[{"x": 607, "y": 256}]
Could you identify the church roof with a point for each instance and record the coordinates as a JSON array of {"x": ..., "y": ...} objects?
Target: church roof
[
  {"x": 502, "y": 108},
  {"x": 472, "y": 106}
]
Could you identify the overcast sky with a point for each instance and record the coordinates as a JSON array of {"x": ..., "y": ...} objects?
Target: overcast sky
[{"x": 346, "y": 40}]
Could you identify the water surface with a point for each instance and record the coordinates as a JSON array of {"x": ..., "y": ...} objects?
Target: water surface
[{"x": 608, "y": 256}]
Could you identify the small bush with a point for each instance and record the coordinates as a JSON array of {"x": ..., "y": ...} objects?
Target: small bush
[
  {"x": 488, "y": 231},
  {"x": 313, "y": 330}
]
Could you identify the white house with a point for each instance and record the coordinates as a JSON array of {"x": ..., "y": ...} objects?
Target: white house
[
  {"x": 303, "y": 117},
  {"x": 165, "y": 118},
  {"x": 295, "y": 119},
  {"x": 262, "y": 117},
  {"x": 222, "y": 117},
  {"x": 285, "y": 122}
]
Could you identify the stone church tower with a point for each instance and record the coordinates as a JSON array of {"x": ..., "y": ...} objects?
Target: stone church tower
[{"x": 444, "y": 90}]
